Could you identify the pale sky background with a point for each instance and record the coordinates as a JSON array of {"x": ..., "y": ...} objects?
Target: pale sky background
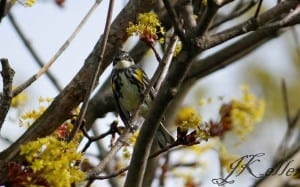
[{"x": 48, "y": 26}]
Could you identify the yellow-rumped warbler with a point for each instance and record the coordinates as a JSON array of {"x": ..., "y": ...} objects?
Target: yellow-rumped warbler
[{"x": 129, "y": 83}]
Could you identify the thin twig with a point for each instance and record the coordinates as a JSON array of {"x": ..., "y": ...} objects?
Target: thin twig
[
  {"x": 283, "y": 148},
  {"x": 95, "y": 77},
  {"x": 286, "y": 103},
  {"x": 258, "y": 8},
  {"x": 112, "y": 175},
  {"x": 207, "y": 17},
  {"x": 27, "y": 83},
  {"x": 122, "y": 140},
  {"x": 164, "y": 170},
  {"x": 5, "y": 100},
  {"x": 206, "y": 42},
  {"x": 175, "y": 20},
  {"x": 190, "y": 164},
  {"x": 102, "y": 152},
  {"x": 159, "y": 152},
  {"x": 92, "y": 139},
  {"x": 233, "y": 15},
  {"x": 155, "y": 53},
  {"x": 166, "y": 62},
  {"x": 112, "y": 130},
  {"x": 32, "y": 51},
  {"x": 291, "y": 19}
]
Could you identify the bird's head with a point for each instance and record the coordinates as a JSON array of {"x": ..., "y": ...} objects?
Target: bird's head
[{"x": 122, "y": 60}]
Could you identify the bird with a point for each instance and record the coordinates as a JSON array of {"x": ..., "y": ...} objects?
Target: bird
[{"x": 129, "y": 82}]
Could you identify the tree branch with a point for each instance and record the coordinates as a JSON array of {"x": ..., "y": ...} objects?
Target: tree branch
[
  {"x": 45, "y": 68},
  {"x": 32, "y": 51},
  {"x": 230, "y": 54},
  {"x": 95, "y": 73},
  {"x": 174, "y": 20},
  {"x": 233, "y": 15},
  {"x": 6, "y": 97},
  {"x": 206, "y": 42}
]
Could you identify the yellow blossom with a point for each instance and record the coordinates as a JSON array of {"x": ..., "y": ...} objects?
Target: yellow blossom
[
  {"x": 45, "y": 99},
  {"x": 126, "y": 153},
  {"x": 205, "y": 101},
  {"x": 148, "y": 27},
  {"x": 54, "y": 160},
  {"x": 245, "y": 113},
  {"x": 19, "y": 100},
  {"x": 187, "y": 118},
  {"x": 133, "y": 138},
  {"x": 29, "y": 117},
  {"x": 178, "y": 48},
  {"x": 202, "y": 102}
]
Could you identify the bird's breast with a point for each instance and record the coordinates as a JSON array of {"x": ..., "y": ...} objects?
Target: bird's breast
[{"x": 130, "y": 94}]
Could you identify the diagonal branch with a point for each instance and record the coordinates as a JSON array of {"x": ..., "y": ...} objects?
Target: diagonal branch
[
  {"x": 206, "y": 42},
  {"x": 291, "y": 19},
  {"x": 175, "y": 20},
  {"x": 230, "y": 54},
  {"x": 32, "y": 50},
  {"x": 234, "y": 14},
  {"x": 45, "y": 68}
]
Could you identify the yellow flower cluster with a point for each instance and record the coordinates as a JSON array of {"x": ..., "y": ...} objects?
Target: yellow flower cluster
[
  {"x": 54, "y": 160},
  {"x": 178, "y": 48},
  {"x": 133, "y": 138},
  {"x": 19, "y": 100},
  {"x": 246, "y": 112},
  {"x": 126, "y": 153},
  {"x": 187, "y": 118},
  {"x": 29, "y": 117},
  {"x": 27, "y": 3},
  {"x": 148, "y": 27},
  {"x": 204, "y": 101}
]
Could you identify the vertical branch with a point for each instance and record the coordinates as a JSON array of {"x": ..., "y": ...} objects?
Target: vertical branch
[
  {"x": 286, "y": 103},
  {"x": 7, "y": 75},
  {"x": 291, "y": 123},
  {"x": 96, "y": 73},
  {"x": 258, "y": 8},
  {"x": 175, "y": 20},
  {"x": 2, "y": 9}
]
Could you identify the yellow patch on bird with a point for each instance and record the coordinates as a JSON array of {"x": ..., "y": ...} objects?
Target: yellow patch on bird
[
  {"x": 113, "y": 85},
  {"x": 139, "y": 75}
]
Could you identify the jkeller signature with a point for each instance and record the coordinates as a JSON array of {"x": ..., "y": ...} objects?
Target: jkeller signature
[{"x": 247, "y": 163}]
